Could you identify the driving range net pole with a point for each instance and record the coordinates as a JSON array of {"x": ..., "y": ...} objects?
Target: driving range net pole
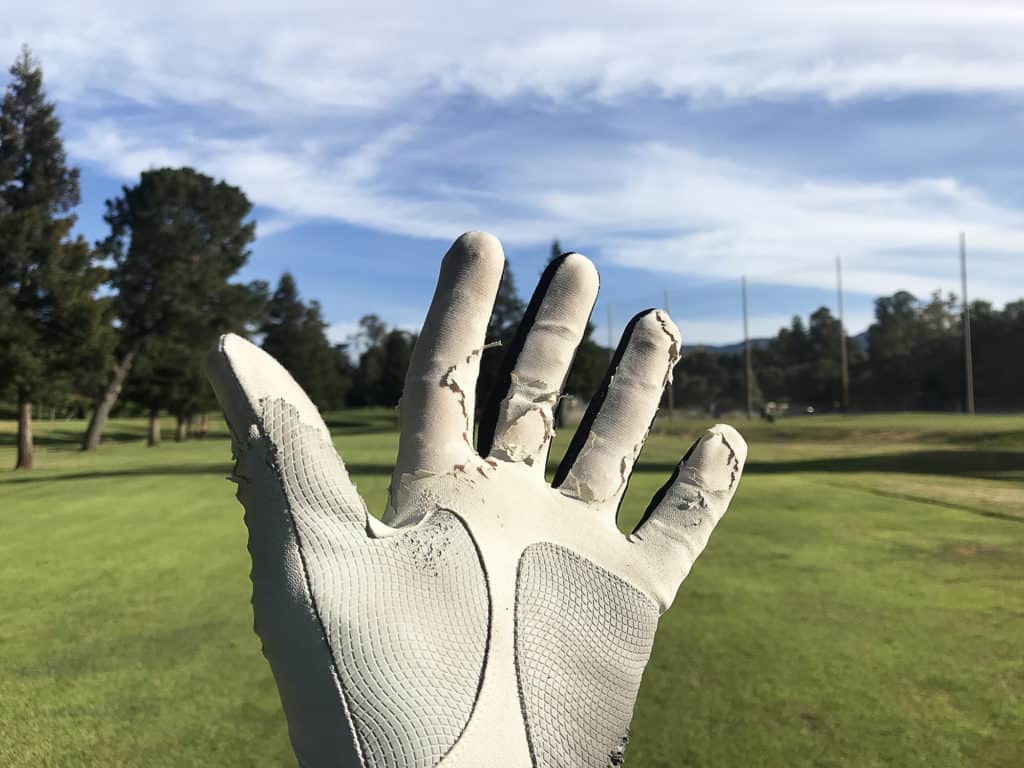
[
  {"x": 968, "y": 358},
  {"x": 671, "y": 384},
  {"x": 747, "y": 375},
  {"x": 611, "y": 340},
  {"x": 844, "y": 362}
]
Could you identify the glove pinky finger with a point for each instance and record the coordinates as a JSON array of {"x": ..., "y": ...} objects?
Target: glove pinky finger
[{"x": 682, "y": 515}]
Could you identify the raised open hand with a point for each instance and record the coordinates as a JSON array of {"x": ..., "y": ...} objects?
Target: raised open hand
[{"x": 492, "y": 620}]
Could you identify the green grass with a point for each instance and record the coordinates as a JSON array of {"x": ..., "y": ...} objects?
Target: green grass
[{"x": 861, "y": 604}]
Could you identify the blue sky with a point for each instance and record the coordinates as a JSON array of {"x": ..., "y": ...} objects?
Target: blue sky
[{"x": 680, "y": 145}]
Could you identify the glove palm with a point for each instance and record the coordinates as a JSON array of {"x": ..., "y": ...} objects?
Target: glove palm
[{"x": 491, "y": 619}]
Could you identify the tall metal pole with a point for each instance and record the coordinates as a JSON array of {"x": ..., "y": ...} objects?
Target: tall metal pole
[
  {"x": 747, "y": 373},
  {"x": 968, "y": 358},
  {"x": 611, "y": 339},
  {"x": 671, "y": 384},
  {"x": 844, "y": 402}
]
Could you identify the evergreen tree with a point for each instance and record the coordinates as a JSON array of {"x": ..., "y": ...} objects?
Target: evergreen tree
[
  {"x": 998, "y": 344},
  {"x": 712, "y": 381},
  {"x": 191, "y": 394},
  {"x": 49, "y": 318},
  {"x": 380, "y": 376},
  {"x": 915, "y": 356},
  {"x": 371, "y": 333},
  {"x": 344, "y": 375},
  {"x": 296, "y": 334},
  {"x": 176, "y": 239},
  {"x": 152, "y": 380},
  {"x": 168, "y": 374}
]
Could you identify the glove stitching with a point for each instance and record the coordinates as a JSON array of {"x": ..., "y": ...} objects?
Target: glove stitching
[{"x": 271, "y": 457}]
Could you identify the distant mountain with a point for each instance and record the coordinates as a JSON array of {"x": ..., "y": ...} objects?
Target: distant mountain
[
  {"x": 726, "y": 349},
  {"x": 859, "y": 341}
]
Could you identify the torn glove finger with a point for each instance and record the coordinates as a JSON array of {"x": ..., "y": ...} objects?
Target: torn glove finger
[
  {"x": 518, "y": 422},
  {"x": 679, "y": 521},
  {"x": 436, "y": 414},
  {"x": 600, "y": 458}
]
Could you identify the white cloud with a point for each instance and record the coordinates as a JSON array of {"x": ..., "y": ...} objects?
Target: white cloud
[
  {"x": 299, "y": 183},
  {"x": 777, "y": 228},
  {"x": 341, "y": 333},
  {"x": 694, "y": 214},
  {"x": 274, "y": 225},
  {"x": 354, "y": 56}
]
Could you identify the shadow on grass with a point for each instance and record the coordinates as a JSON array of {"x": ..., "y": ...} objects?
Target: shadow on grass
[
  {"x": 72, "y": 438},
  {"x": 960, "y": 507},
  {"x": 999, "y": 433},
  {"x": 341, "y": 427},
  {"x": 988, "y": 465},
  {"x": 985, "y": 465},
  {"x": 175, "y": 470}
]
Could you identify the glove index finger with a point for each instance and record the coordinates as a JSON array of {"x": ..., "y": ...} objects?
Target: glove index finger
[{"x": 262, "y": 402}]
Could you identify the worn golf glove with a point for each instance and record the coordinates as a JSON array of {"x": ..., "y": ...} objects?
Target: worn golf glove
[{"x": 493, "y": 619}]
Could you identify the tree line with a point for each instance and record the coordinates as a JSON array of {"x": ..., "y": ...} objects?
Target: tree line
[
  {"x": 910, "y": 358},
  {"x": 121, "y": 325}
]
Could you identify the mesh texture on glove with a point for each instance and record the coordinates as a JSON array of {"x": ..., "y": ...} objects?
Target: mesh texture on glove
[{"x": 490, "y": 618}]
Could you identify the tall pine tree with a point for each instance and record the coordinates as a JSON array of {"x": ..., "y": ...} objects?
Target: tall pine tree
[
  {"x": 380, "y": 376},
  {"x": 296, "y": 335},
  {"x": 50, "y": 317},
  {"x": 176, "y": 239}
]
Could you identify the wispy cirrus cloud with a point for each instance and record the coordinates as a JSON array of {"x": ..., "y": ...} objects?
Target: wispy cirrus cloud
[
  {"x": 652, "y": 205},
  {"x": 347, "y": 55}
]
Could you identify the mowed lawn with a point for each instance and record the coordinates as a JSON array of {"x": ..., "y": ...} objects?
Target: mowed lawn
[{"x": 861, "y": 604}]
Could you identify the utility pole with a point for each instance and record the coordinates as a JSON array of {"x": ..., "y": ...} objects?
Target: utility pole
[
  {"x": 968, "y": 358},
  {"x": 671, "y": 385},
  {"x": 747, "y": 374},
  {"x": 844, "y": 402},
  {"x": 611, "y": 341}
]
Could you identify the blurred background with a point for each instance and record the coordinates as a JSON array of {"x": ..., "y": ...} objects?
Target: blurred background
[{"x": 826, "y": 198}]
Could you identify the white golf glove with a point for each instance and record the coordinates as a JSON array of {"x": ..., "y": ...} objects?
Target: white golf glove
[{"x": 492, "y": 620}]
